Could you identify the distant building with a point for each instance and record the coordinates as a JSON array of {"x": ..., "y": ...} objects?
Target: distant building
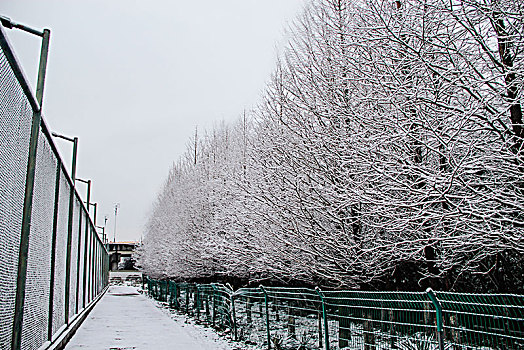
[{"x": 120, "y": 255}]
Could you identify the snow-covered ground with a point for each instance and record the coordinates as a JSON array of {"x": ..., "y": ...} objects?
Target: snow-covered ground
[{"x": 125, "y": 319}]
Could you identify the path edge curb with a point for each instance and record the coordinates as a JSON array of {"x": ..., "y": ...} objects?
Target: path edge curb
[{"x": 66, "y": 334}]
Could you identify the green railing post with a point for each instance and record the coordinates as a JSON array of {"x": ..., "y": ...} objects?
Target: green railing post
[
  {"x": 438, "y": 309},
  {"x": 197, "y": 303},
  {"x": 176, "y": 295},
  {"x": 324, "y": 316},
  {"x": 187, "y": 298},
  {"x": 195, "y": 297},
  {"x": 233, "y": 316},
  {"x": 213, "y": 319},
  {"x": 171, "y": 284},
  {"x": 267, "y": 317}
]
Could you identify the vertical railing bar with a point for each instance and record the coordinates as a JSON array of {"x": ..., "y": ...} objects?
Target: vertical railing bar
[
  {"x": 438, "y": 308},
  {"x": 324, "y": 316},
  {"x": 234, "y": 317},
  {"x": 267, "y": 317},
  {"x": 213, "y": 320}
]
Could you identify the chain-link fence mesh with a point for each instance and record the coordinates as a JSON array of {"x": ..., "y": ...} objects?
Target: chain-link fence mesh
[
  {"x": 34, "y": 332},
  {"x": 303, "y": 318},
  {"x": 45, "y": 297}
]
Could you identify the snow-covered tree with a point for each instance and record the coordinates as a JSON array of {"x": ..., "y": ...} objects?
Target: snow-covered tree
[{"x": 386, "y": 152}]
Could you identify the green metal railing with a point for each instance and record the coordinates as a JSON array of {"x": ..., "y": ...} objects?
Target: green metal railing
[{"x": 303, "y": 318}]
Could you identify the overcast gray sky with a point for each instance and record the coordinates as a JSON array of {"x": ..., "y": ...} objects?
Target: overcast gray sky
[{"x": 132, "y": 79}]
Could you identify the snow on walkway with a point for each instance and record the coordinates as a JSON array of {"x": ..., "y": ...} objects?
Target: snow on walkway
[{"x": 125, "y": 319}]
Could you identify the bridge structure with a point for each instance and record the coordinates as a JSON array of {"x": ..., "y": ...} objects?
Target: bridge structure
[
  {"x": 54, "y": 266},
  {"x": 121, "y": 252}
]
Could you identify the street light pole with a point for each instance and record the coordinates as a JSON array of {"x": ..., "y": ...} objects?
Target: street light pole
[
  {"x": 117, "y": 205},
  {"x": 116, "y": 259}
]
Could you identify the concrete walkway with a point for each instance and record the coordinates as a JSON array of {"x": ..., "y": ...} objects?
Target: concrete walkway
[{"x": 125, "y": 319}]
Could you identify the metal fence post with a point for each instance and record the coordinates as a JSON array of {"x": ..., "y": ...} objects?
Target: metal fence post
[
  {"x": 16, "y": 340},
  {"x": 84, "y": 285},
  {"x": 187, "y": 298},
  {"x": 170, "y": 287},
  {"x": 78, "y": 261},
  {"x": 267, "y": 317},
  {"x": 213, "y": 320},
  {"x": 24, "y": 237},
  {"x": 92, "y": 262},
  {"x": 197, "y": 304},
  {"x": 176, "y": 295},
  {"x": 95, "y": 267},
  {"x": 233, "y": 316},
  {"x": 70, "y": 232},
  {"x": 438, "y": 309},
  {"x": 53, "y": 253},
  {"x": 95, "y": 263},
  {"x": 324, "y": 316}
]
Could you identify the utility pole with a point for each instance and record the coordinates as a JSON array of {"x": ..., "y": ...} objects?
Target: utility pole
[
  {"x": 116, "y": 259},
  {"x": 105, "y": 222},
  {"x": 117, "y": 205}
]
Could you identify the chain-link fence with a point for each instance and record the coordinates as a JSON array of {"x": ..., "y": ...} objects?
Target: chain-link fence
[
  {"x": 303, "y": 318},
  {"x": 57, "y": 276}
]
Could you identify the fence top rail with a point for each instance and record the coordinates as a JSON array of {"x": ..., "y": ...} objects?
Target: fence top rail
[
  {"x": 328, "y": 293},
  {"x": 291, "y": 291},
  {"x": 487, "y": 295},
  {"x": 249, "y": 293},
  {"x": 402, "y": 297},
  {"x": 477, "y": 304}
]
